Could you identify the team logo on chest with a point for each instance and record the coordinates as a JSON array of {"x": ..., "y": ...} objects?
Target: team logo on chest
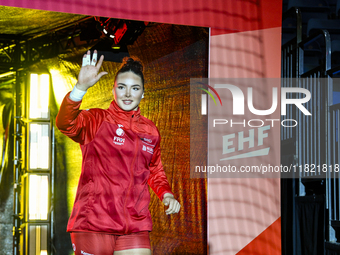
[
  {"x": 118, "y": 139},
  {"x": 120, "y": 131}
]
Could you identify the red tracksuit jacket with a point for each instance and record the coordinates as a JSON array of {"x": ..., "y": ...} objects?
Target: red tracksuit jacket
[{"x": 121, "y": 155}]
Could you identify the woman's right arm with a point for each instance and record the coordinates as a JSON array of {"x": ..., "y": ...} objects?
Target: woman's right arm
[
  {"x": 76, "y": 124},
  {"x": 73, "y": 122}
]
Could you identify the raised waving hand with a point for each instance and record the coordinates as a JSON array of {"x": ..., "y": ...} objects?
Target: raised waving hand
[{"x": 89, "y": 72}]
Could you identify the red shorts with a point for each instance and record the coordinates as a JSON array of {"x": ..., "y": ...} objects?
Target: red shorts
[{"x": 105, "y": 244}]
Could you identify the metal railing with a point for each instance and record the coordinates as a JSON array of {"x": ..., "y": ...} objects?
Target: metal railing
[
  {"x": 333, "y": 177},
  {"x": 316, "y": 137},
  {"x": 310, "y": 133}
]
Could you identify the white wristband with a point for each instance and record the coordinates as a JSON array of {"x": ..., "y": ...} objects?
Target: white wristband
[{"x": 77, "y": 94}]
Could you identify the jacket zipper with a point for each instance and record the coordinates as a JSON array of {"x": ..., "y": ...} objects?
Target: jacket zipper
[{"x": 131, "y": 170}]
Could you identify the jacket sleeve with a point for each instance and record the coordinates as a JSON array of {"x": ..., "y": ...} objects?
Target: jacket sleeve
[
  {"x": 79, "y": 125},
  {"x": 157, "y": 180}
]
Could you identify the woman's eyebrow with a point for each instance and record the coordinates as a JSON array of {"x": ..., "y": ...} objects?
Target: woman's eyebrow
[{"x": 120, "y": 83}]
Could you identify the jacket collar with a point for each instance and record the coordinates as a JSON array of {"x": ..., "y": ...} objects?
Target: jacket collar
[{"x": 126, "y": 115}]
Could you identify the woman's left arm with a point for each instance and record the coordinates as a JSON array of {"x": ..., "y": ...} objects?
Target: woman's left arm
[{"x": 159, "y": 183}]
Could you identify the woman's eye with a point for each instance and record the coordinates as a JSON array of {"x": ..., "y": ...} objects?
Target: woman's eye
[
  {"x": 135, "y": 88},
  {"x": 120, "y": 87}
]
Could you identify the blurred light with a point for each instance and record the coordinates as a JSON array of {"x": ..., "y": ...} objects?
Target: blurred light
[
  {"x": 6, "y": 74},
  {"x": 61, "y": 83},
  {"x": 39, "y": 146},
  {"x": 38, "y": 197},
  {"x": 39, "y": 96},
  {"x": 104, "y": 30},
  {"x": 112, "y": 36}
]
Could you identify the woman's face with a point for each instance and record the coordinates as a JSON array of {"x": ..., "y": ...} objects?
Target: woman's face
[{"x": 128, "y": 91}]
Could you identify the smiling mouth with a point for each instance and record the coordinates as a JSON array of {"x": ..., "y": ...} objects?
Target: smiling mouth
[{"x": 127, "y": 102}]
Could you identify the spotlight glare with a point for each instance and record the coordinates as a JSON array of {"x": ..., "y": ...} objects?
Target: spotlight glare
[
  {"x": 38, "y": 197},
  {"x": 39, "y": 99},
  {"x": 39, "y": 146}
]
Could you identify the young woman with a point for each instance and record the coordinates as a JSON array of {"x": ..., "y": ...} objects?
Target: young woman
[{"x": 121, "y": 155}]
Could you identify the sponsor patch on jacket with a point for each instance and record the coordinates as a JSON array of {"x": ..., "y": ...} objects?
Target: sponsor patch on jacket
[
  {"x": 146, "y": 140},
  {"x": 118, "y": 140},
  {"x": 147, "y": 149}
]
